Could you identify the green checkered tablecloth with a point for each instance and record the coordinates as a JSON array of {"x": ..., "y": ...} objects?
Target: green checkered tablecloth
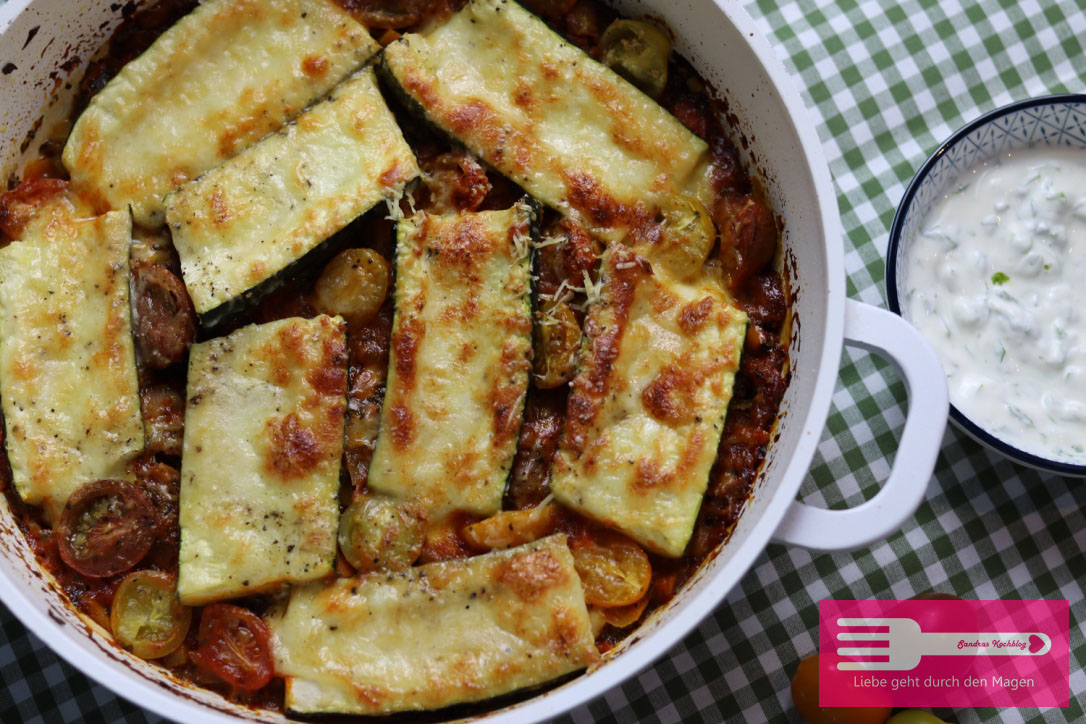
[{"x": 886, "y": 82}]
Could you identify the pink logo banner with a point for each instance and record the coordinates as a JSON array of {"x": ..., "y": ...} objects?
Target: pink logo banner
[{"x": 943, "y": 653}]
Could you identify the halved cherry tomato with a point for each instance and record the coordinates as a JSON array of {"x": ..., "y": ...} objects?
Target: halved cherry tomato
[
  {"x": 235, "y": 645},
  {"x": 638, "y": 51},
  {"x": 687, "y": 236},
  {"x": 556, "y": 345},
  {"x": 18, "y": 206},
  {"x": 805, "y": 697},
  {"x": 381, "y": 534},
  {"x": 147, "y": 617},
  {"x": 623, "y": 616},
  {"x": 106, "y": 528},
  {"x": 614, "y": 570},
  {"x": 354, "y": 284},
  {"x": 512, "y": 527}
]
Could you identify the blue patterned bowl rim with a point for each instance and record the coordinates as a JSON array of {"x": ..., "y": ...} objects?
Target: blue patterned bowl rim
[{"x": 898, "y": 240}]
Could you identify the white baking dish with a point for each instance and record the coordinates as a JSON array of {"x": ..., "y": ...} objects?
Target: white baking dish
[{"x": 779, "y": 141}]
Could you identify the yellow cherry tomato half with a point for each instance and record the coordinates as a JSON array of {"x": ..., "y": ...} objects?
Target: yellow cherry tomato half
[
  {"x": 624, "y": 616},
  {"x": 512, "y": 527},
  {"x": 147, "y": 618},
  {"x": 354, "y": 284},
  {"x": 377, "y": 533},
  {"x": 614, "y": 570}
]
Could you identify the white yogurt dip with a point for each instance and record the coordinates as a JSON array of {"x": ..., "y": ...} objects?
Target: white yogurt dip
[{"x": 996, "y": 280}]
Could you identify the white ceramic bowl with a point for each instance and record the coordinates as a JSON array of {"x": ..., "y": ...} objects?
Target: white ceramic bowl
[
  {"x": 779, "y": 142},
  {"x": 1051, "y": 121}
]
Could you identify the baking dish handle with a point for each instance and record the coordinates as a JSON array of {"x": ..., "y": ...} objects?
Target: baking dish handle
[{"x": 891, "y": 337}]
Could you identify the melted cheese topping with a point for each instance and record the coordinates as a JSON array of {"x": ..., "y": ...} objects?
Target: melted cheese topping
[
  {"x": 440, "y": 634},
  {"x": 571, "y": 132},
  {"x": 253, "y": 216},
  {"x": 647, "y": 407},
  {"x": 261, "y": 458},
  {"x": 459, "y": 360},
  {"x": 219, "y": 79},
  {"x": 68, "y": 376}
]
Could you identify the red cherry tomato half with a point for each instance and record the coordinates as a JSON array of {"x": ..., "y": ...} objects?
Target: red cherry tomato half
[
  {"x": 805, "y": 697},
  {"x": 18, "y": 206},
  {"x": 106, "y": 528},
  {"x": 235, "y": 645}
]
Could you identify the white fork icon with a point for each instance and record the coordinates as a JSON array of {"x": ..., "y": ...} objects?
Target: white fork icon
[{"x": 906, "y": 644}]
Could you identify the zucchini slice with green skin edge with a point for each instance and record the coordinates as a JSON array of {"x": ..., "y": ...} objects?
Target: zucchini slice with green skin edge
[
  {"x": 566, "y": 128},
  {"x": 69, "y": 381},
  {"x": 244, "y": 226},
  {"x": 647, "y": 406},
  {"x": 261, "y": 458},
  {"x": 459, "y": 362},
  {"x": 218, "y": 80},
  {"x": 460, "y": 630}
]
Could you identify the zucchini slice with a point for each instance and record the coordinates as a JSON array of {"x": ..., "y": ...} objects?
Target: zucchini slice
[
  {"x": 222, "y": 77},
  {"x": 647, "y": 407},
  {"x": 459, "y": 360},
  {"x": 68, "y": 377},
  {"x": 570, "y": 131},
  {"x": 436, "y": 635},
  {"x": 242, "y": 227},
  {"x": 261, "y": 458}
]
